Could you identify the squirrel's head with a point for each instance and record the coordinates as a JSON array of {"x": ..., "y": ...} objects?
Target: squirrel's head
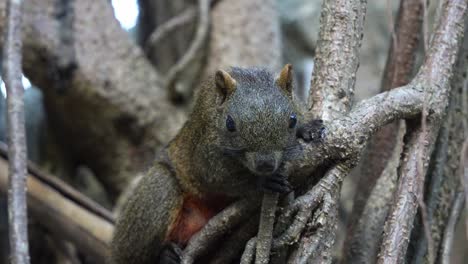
[{"x": 256, "y": 116}]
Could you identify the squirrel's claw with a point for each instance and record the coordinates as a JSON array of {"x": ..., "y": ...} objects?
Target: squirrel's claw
[
  {"x": 278, "y": 183},
  {"x": 312, "y": 131},
  {"x": 170, "y": 254}
]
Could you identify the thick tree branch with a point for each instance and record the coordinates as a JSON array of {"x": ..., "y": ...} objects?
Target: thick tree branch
[
  {"x": 92, "y": 73},
  {"x": 336, "y": 60},
  {"x": 17, "y": 213}
]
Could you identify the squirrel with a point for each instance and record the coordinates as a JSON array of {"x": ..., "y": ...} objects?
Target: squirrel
[{"x": 242, "y": 129}]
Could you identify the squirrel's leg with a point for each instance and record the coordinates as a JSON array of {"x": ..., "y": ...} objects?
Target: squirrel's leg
[{"x": 147, "y": 218}]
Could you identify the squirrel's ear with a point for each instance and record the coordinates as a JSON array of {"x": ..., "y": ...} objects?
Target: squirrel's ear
[
  {"x": 225, "y": 84},
  {"x": 285, "y": 79}
]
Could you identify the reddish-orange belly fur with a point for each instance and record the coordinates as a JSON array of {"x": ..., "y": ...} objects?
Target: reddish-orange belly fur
[{"x": 194, "y": 214}]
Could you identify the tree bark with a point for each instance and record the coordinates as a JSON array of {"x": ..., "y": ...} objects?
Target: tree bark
[{"x": 103, "y": 98}]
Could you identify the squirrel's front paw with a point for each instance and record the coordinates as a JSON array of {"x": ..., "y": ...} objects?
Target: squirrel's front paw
[
  {"x": 170, "y": 254},
  {"x": 312, "y": 131},
  {"x": 277, "y": 182}
]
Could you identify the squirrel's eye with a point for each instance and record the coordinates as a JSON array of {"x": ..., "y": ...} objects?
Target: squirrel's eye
[
  {"x": 230, "y": 124},
  {"x": 292, "y": 121}
]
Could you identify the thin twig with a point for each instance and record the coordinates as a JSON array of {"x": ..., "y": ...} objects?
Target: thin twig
[
  {"x": 265, "y": 229},
  {"x": 196, "y": 47},
  {"x": 17, "y": 213},
  {"x": 172, "y": 24},
  {"x": 449, "y": 233}
]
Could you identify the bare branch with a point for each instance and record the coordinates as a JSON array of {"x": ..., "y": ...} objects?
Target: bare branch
[
  {"x": 337, "y": 60},
  {"x": 63, "y": 217},
  {"x": 17, "y": 213}
]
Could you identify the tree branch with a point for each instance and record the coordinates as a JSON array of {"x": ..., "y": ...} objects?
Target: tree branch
[
  {"x": 336, "y": 60},
  {"x": 435, "y": 73},
  {"x": 63, "y": 217},
  {"x": 398, "y": 69},
  {"x": 93, "y": 73},
  {"x": 265, "y": 228},
  {"x": 17, "y": 213}
]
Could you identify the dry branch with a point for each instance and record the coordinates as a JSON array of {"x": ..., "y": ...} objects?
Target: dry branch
[{"x": 12, "y": 73}]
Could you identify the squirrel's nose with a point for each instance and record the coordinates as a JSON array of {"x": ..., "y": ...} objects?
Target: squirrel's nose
[{"x": 266, "y": 166}]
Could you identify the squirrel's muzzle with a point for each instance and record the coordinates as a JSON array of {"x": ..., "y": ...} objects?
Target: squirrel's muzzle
[
  {"x": 264, "y": 163},
  {"x": 265, "y": 166}
]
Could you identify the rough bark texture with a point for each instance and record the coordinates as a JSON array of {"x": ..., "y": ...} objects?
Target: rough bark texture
[
  {"x": 336, "y": 61},
  {"x": 383, "y": 153},
  {"x": 443, "y": 180},
  {"x": 420, "y": 140}
]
